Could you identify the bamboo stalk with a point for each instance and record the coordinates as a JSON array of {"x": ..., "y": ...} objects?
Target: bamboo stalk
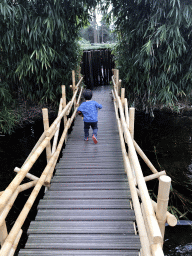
[
  {"x": 57, "y": 132},
  {"x": 46, "y": 127},
  {"x": 22, "y": 216},
  {"x": 154, "y": 176},
  {"x": 73, "y": 78},
  {"x": 126, "y": 112},
  {"x": 123, "y": 98},
  {"x": 50, "y": 174},
  {"x": 27, "y": 185},
  {"x": 151, "y": 218},
  {"x": 136, "y": 204},
  {"x": 162, "y": 201},
  {"x": 21, "y": 175},
  {"x": 64, "y": 105},
  {"x": 15, "y": 244},
  {"x": 64, "y": 111},
  {"x": 116, "y": 76},
  {"x": 171, "y": 219},
  {"x": 28, "y": 175},
  {"x": 157, "y": 250},
  {"x": 3, "y": 233},
  {"x": 73, "y": 84},
  {"x": 12, "y": 199},
  {"x": 131, "y": 121},
  {"x": 144, "y": 157},
  {"x": 146, "y": 224}
]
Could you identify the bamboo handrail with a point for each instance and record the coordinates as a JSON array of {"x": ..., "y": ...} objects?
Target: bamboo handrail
[
  {"x": 151, "y": 218},
  {"x": 136, "y": 204},
  {"x": 8, "y": 196},
  {"x": 28, "y": 175},
  {"x": 149, "y": 207},
  {"x": 20, "y": 176},
  {"x": 57, "y": 152},
  {"x": 12, "y": 199},
  {"x": 14, "y": 247}
]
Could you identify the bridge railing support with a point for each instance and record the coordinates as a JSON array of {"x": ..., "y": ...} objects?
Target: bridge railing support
[
  {"x": 10, "y": 241},
  {"x": 150, "y": 216}
]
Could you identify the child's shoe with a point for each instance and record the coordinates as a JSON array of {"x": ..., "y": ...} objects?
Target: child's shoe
[
  {"x": 86, "y": 139},
  {"x": 94, "y": 139}
]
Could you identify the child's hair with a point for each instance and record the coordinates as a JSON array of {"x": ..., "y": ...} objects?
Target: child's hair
[{"x": 87, "y": 94}]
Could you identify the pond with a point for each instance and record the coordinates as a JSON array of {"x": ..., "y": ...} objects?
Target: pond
[{"x": 167, "y": 141}]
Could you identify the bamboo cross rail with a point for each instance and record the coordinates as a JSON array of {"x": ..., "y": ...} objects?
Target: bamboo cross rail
[
  {"x": 150, "y": 216},
  {"x": 10, "y": 241}
]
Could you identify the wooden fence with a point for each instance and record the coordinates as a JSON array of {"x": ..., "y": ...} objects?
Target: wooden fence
[
  {"x": 97, "y": 67},
  {"x": 150, "y": 216},
  {"x": 10, "y": 241}
]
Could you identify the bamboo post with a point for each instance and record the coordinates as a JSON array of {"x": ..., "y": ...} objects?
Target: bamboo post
[
  {"x": 116, "y": 78},
  {"x": 57, "y": 132},
  {"x": 131, "y": 129},
  {"x": 170, "y": 218},
  {"x": 73, "y": 84},
  {"x": 46, "y": 127},
  {"x": 64, "y": 111},
  {"x": 162, "y": 201},
  {"x": 123, "y": 97},
  {"x": 126, "y": 112},
  {"x": 131, "y": 121},
  {"x": 64, "y": 105},
  {"x": 3, "y": 233},
  {"x": 119, "y": 87}
]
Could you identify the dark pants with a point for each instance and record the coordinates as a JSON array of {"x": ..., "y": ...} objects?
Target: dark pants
[{"x": 93, "y": 126}]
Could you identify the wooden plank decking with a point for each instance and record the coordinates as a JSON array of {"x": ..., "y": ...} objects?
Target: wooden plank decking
[{"x": 87, "y": 209}]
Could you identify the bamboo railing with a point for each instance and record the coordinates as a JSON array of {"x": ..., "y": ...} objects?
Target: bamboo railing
[
  {"x": 150, "y": 216},
  {"x": 10, "y": 241}
]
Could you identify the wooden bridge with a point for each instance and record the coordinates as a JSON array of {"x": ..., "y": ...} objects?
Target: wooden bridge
[{"x": 97, "y": 201}]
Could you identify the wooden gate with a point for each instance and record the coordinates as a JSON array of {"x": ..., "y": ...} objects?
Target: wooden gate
[{"x": 97, "y": 67}]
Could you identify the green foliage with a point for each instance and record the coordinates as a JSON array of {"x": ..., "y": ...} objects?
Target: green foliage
[
  {"x": 153, "y": 51},
  {"x": 7, "y": 116},
  {"x": 39, "y": 45}
]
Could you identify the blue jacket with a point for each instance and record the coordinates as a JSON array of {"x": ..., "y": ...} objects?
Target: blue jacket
[{"x": 90, "y": 110}]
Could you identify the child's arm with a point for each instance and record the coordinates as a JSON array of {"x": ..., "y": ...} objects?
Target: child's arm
[{"x": 99, "y": 106}]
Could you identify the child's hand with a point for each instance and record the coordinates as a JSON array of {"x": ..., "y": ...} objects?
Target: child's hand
[{"x": 80, "y": 113}]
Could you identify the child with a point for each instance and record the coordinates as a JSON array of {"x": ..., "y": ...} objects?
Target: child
[{"x": 89, "y": 111}]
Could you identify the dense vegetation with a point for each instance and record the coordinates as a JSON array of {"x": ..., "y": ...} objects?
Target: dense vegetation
[
  {"x": 38, "y": 50},
  {"x": 154, "y": 49}
]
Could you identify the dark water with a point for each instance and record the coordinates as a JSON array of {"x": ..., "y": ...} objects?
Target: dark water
[{"x": 165, "y": 139}]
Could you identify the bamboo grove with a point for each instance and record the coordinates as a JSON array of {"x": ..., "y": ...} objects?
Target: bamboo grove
[
  {"x": 154, "y": 49},
  {"x": 38, "y": 49}
]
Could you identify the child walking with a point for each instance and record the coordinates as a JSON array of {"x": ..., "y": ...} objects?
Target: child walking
[{"x": 89, "y": 111}]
